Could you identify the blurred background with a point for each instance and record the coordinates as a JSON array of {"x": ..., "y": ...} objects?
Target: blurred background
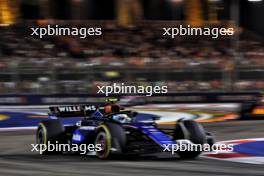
[{"x": 132, "y": 48}]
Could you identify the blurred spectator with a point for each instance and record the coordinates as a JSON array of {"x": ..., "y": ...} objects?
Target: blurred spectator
[{"x": 136, "y": 48}]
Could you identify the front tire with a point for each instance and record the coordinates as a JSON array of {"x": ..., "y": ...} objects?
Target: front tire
[{"x": 193, "y": 131}]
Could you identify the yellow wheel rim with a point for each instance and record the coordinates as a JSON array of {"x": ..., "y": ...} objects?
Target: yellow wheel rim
[{"x": 108, "y": 141}]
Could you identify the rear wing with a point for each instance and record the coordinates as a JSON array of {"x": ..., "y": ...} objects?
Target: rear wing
[{"x": 73, "y": 110}]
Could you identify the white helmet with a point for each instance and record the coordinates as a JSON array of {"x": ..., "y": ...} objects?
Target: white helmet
[{"x": 122, "y": 118}]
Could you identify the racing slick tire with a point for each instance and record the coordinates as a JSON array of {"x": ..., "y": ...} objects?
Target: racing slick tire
[
  {"x": 193, "y": 131},
  {"x": 112, "y": 138},
  {"x": 50, "y": 132}
]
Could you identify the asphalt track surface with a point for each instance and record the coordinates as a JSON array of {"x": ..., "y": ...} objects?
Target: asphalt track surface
[{"x": 16, "y": 158}]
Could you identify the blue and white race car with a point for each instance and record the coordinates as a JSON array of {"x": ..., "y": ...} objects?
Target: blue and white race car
[{"x": 118, "y": 132}]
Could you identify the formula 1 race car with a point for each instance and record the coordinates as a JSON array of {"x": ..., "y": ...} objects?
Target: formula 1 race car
[
  {"x": 252, "y": 110},
  {"x": 118, "y": 132}
]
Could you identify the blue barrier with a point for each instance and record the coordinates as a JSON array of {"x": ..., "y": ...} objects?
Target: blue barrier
[{"x": 194, "y": 97}]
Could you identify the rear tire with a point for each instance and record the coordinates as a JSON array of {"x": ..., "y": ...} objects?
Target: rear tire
[
  {"x": 50, "y": 131},
  {"x": 193, "y": 131},
  {"x": 112, "y": 138}
]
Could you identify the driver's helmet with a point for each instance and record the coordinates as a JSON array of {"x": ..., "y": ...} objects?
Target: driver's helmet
[{"x": 122, "y": 118}]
